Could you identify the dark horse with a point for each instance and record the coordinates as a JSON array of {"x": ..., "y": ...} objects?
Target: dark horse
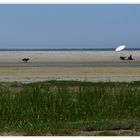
[{"x": 25, "y": 59}]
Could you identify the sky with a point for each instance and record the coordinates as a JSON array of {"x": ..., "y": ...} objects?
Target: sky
[{"x": 69, "y": 26}]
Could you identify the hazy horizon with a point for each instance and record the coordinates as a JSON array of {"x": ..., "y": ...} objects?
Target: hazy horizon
[{"x": 69, "y": 26}]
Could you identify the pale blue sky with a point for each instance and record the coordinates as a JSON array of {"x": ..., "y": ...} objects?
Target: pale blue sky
[{"x": 69, "y": 26}]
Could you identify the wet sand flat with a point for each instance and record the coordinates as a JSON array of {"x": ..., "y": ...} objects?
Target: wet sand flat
[
  {"x": 65, "y": 57},
  {"x": 65, "y": 65}
]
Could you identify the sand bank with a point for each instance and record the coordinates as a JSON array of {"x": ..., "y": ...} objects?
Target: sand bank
[
  {"x": 27, "y": 74},
  {"x": 39, "y": 67},
  {"x": 67, "y": 56}
]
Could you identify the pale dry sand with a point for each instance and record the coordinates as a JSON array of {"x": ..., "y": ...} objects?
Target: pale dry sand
[
  {"x": 23, "y": 73},
  {"x": 27, "y": 74}
]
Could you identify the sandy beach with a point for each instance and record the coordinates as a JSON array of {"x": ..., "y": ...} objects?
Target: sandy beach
[
  {"x": 57, "y": 57},
  {"x": 68, "y": 65}
]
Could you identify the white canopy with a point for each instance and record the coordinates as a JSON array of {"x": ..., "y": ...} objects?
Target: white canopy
[{"x": 120, "y": 48}]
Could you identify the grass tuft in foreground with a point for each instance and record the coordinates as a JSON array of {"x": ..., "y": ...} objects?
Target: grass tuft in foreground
[{"x": 69, "y": 106}]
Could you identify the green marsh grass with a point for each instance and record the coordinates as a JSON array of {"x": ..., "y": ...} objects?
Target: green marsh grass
[{"x": 69, "y": 105}]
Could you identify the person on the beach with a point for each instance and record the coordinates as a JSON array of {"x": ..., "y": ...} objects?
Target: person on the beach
[{"x": 130, "y": 57}]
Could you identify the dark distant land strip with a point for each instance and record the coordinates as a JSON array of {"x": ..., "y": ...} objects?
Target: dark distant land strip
[{"x": 72, "y": 49}]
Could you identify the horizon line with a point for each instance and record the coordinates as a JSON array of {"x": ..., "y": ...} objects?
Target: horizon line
[{"x": 2, "y": 49}]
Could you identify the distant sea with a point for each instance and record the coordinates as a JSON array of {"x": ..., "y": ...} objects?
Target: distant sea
[{"x": 83, "y": 49}]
